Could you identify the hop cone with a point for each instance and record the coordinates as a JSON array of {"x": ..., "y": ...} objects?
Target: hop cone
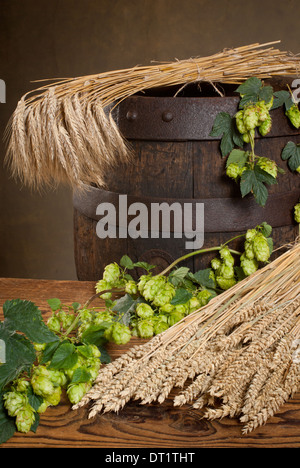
[
  {"x": 25, "y": 418},
  {"x": 261, "y": 248},
  {"x": 294, "y": 115},
  {"x": 268, "y": 165}
]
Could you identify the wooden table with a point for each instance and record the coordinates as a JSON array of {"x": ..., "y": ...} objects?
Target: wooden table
[{"x": 163, "y": 428}]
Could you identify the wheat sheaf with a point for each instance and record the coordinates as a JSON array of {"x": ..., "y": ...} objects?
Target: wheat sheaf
[{"x": 64, "y": 132}]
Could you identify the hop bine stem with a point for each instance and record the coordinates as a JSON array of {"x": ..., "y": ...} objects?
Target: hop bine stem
[{"x": 196, "y": 252}]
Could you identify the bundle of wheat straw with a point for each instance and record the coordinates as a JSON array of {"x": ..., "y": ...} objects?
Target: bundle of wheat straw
[
  {"x": 65, "y": 132},
  {"x": 235, "y": 357}
]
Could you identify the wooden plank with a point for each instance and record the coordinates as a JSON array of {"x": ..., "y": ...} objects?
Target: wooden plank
[{"x": 137, "y": 426}]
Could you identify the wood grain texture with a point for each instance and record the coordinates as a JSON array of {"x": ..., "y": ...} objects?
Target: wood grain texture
[
  {"x": 137, "y": 426},
  {"x": 181, "y": 169}
]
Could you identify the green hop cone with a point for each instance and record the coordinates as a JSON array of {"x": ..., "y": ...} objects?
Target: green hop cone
[
  {"x": 226, "y": 256},
  {"x": 76, "y": 392},
  {"x": 42, "y": 386},
  {"x": 247, "y": 137},
  {"x": 269, "y": 104},
  {"x": 53, "y": 324},
  {"x": 251, "y": 117},
  {"x": 248, "y": 265},
  {"x": 95, "y": 350},
  {"x": 54, "y": 398},
  {"x": 111, "y": 273},
  {"x": 120, "y": 333},
  {"x": 152, "y": 287},
  {"x": 25, "y": 418},
  {"x": 216, "y": 263},
  {"x": 145, "y": 328},
  {"x": 250, "y": 234},
  {"x": 103, "y": 285},
  {"x": 43, "y": 407},
  {"x": 142, "y": 281},
  {"x": 249, "y": 252},
  {"x": 293, "y": 114},
  {"x": 265, "y": 127},
  {"x": 166, "y": 309},
  {"x": 69, "y": 319},
  {"x": 22, "y": 385},
  {"x": 160, "y": 325},
  {"x": 39, "y": 347},
  {"x": 297, "y": 213},
  {"x": 263, "y": 111},
  {"x": 175, "y": 317},
  {"x": 164, "y": 295},
  {"x": 85, "y": 316},
  {"x": 102, "y": 316},
  {"x": 268, "y": 165},
  {"x": 193, "y": 304},
  {"x": 144, "y": 310},
  {"x": 131, "y": 287},
  {"x": 14, "y": 401},
  {"x": 261, "y": 248},
  {"x": 203, "y": 297},
  {"x": 233, "y": 171},
  {"x": 181, "y": 308},
  {"x": 226, "y": 271},
  {"x": 225, "y": 283},
  {"x": 58, "y": 378},
  {"x": 239, "y": 119}
]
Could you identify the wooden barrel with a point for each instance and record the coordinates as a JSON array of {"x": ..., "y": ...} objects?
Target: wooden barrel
[{"x": 177, "y": 161}]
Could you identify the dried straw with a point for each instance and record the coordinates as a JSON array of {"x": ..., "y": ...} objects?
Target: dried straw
[
  {"x": 65, "y": 132},
  {"x": 233, "y": 357}
]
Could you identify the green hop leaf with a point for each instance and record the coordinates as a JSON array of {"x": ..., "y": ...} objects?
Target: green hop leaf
[
  {"x": 225, "y": 126},
  {"x": 282, "y": 98},
  {"x": 291, "y": 153},
  {"x": 25, "y": 317},
  {"x": 252, "y": 180}
]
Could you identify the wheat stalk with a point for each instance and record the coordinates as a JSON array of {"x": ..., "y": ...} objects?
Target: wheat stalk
[
  {"x": 233, "y": 357},
  {"x": 65, "y": 132}
]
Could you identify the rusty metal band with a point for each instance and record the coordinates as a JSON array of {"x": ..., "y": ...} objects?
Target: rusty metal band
[
  {"x": 183, "y": 119},
  {"x": 220, "y": 214}
]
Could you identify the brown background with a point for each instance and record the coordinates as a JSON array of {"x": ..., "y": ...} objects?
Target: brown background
[{"x": 65, "y": 38}]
